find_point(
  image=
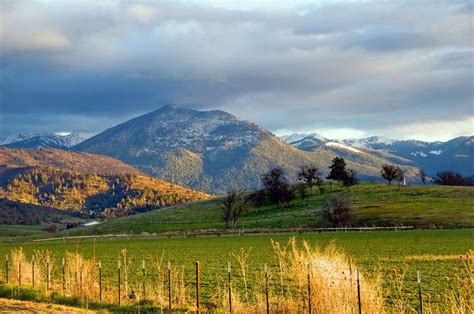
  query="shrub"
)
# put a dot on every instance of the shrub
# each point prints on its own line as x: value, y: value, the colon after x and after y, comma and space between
x: 452, y: 178
x: 339, y: 210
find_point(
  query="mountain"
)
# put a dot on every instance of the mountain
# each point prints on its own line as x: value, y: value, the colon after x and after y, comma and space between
x: 307, y: 142
x: 212, y: 150
x: 42, y: 140
x: 456, y: 154
x: 83, y: 182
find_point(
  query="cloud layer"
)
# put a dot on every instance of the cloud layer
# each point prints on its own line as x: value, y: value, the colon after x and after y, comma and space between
x: 377, y: 67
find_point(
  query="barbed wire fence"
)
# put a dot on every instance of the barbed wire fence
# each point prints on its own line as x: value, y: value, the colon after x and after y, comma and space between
x: 199, y: 287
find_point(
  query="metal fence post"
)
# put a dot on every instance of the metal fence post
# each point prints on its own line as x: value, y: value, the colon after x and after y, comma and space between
x: 266, y: 289
x: 198, y: 287
x: 420, y: 306
x: 169, y: 285
x: 118, y: 281
x: 230, y: 286
x: 47, y: 273
x: 358, y: 292
x: 33, y: 271
x: 100, y: 281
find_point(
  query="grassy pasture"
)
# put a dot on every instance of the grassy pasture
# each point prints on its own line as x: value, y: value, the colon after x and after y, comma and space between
x: 434, y: 252
x: 374, y: 204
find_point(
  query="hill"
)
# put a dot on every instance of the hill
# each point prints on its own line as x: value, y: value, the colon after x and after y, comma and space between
x: 16, y: 213
x: 214, y: 151
x: 83, y: 182
x: 95, y: 193
x: 61, y: 159
x: 374, y: 204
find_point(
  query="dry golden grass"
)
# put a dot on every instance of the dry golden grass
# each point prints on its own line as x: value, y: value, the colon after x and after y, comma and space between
x: 302, y: 276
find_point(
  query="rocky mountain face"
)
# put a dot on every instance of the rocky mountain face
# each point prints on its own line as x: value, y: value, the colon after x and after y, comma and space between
x: 41, y: 140
x: 213, y: 150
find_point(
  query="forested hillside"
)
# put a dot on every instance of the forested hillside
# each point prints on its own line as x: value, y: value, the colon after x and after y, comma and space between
x: 102, y: 194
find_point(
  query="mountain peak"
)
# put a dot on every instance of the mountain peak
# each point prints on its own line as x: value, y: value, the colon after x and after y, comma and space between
x: 168, y: 107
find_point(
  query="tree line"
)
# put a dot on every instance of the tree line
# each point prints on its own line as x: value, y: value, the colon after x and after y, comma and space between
x: 276, y: 188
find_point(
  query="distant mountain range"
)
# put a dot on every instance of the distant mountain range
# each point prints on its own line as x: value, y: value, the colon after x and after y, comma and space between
x: 215, y: 151
x: 455, y: 154
x: 42, y: 140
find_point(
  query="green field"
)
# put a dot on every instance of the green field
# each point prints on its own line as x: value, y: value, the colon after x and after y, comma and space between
x: 10, y: 232
x: 434, y: 252
x: 374, y: 204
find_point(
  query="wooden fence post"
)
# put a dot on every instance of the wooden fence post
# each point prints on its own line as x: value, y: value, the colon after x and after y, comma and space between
x: 81, y: 282
x: 33, y: 271
x: 6, y: 268
x: 63, y: 263
x: 47, y: 273
x: 144, y: 279
x: 169, y: 285
x: 266, y: 288
x: 310, y: 310
x: 100, y: 280
x: 118, y: 281
x: 358, y: 292
x: 420, y: 297
x: 230, y: 286
x: 19, y: 273
x: 198, y: 287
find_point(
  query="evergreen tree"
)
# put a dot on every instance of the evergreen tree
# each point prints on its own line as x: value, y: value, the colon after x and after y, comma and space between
x: 338, y: 169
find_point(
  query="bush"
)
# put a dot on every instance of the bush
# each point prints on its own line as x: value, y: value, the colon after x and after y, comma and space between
x: 339, y: 210
x: 452, y: 178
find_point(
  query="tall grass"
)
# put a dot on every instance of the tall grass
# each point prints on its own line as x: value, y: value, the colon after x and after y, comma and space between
x: 300, y: 276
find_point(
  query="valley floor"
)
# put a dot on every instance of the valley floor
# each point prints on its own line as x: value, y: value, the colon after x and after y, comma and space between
x: 440, y: 255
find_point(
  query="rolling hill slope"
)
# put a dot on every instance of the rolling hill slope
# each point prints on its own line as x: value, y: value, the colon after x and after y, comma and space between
x: 62, y: 159
x: 82, y: 182
x: 374, y: 204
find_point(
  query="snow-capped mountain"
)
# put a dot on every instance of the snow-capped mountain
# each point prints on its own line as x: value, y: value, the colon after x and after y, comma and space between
x: 215, y: 151
x: 306, y: 142
x: 42, y: 140
x: 370, y: 142
x: 456, y: 154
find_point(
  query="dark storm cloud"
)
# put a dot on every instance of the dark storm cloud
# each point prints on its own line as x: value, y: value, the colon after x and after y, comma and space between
x: 320, y: 66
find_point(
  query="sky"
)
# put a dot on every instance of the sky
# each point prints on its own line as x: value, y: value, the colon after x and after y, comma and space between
x: 344, y: 69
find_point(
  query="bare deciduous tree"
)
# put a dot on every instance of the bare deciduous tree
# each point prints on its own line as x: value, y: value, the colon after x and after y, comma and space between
x: 310, y: 175
x: 391, y: 172
x: 233, y: 206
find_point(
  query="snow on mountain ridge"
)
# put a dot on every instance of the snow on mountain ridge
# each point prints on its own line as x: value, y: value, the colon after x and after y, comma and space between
x: 367, y: 142
x: 343, y: 146
x: 42, y: 139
